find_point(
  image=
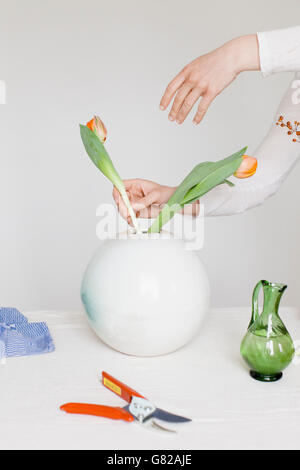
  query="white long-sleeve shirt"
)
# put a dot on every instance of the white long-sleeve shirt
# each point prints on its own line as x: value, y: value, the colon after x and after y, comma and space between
x: 279, y: 52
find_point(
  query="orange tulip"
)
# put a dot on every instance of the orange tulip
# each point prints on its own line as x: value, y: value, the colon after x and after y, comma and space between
x: 247, y: 168
x: 98, y: 127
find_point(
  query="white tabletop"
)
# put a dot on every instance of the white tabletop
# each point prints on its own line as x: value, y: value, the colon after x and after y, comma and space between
x: 206, y: 381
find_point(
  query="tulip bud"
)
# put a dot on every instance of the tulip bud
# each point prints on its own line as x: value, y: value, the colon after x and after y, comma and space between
x: 247, y: 168
x: 98, y: 127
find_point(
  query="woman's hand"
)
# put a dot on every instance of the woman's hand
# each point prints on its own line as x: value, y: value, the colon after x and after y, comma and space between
x: 147, y: 199
x: 208, y: 75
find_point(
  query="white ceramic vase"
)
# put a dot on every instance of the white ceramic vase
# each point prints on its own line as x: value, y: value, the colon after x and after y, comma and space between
x: 145, y: 295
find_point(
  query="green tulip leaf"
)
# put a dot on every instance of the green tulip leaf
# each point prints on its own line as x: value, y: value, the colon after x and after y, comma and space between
x: 202, y: 179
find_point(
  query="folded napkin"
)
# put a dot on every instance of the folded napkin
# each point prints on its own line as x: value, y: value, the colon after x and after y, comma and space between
x: 18, y: 337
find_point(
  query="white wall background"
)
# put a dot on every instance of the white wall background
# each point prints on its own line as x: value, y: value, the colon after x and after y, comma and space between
x: 65, y: 60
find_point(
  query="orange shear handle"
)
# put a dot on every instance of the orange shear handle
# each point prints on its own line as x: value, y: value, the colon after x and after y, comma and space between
x: 98, y: 410
x: 119, y: 388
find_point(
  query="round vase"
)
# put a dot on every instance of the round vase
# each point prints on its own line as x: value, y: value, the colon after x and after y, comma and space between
x: 145, y: 295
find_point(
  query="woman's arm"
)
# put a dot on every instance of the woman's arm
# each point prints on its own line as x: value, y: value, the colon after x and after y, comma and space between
x: 279, y: 51
x: 276, y: 156
x: 275, y: 51
x: 208, y: 75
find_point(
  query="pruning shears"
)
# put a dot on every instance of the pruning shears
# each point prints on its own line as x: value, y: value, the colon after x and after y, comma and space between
x: 139, y: 409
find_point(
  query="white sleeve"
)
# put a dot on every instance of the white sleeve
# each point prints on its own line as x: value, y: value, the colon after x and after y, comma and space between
x: 279, y: 50
x: 276, y: 156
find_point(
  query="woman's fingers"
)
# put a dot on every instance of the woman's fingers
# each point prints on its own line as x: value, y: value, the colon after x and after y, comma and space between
x: 142, y: 206
x: 148, y: 207
x: 146, y: 201
x: 203, y: 107
x: 171, y: 90
x: 187, y: 93
x: 146, y: 198
x: 179, y: 99
x: 150, y: 212
x: 188, y: 104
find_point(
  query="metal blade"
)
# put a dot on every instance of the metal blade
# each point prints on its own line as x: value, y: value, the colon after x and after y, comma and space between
x: 169, y: 417
x: 149, y: 422
x: 155, y: 413
x: 158, y: 427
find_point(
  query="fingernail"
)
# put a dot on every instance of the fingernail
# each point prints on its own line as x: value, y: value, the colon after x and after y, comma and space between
x: 195, y: 122
x: 161, y: 107
x: 171, y: 118
x: 178, y: 122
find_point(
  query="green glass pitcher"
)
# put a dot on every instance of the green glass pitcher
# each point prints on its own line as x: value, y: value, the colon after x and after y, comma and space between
x: 267, y: 347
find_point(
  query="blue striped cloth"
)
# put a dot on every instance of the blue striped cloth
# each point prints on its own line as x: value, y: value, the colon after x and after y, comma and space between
x: 18, y: 337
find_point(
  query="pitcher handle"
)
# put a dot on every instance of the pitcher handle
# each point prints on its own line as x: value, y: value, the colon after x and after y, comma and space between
x: 255, y: 306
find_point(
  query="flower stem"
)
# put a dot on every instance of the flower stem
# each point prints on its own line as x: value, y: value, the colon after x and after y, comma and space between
x: 130, y: 210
